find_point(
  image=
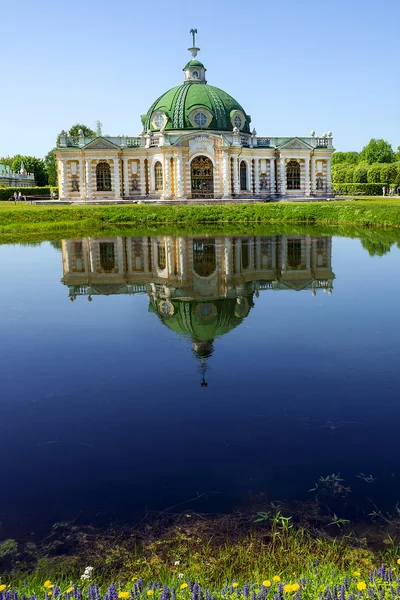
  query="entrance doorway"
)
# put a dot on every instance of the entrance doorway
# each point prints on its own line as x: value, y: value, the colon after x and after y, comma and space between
x: 202, y: 176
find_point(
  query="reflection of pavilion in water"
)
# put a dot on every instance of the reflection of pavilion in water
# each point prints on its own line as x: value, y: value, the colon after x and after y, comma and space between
x: 199, y: 287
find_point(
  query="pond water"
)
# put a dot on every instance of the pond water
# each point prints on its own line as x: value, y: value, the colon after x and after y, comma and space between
x: 199, y: 373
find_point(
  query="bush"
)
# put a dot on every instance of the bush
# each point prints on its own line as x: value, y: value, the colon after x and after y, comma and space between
x: 54, y: 189
x: 374, y: 173
x: 360, y: 173
x: 6, y: 193
x: 365, y: 189
x: 389, y: 173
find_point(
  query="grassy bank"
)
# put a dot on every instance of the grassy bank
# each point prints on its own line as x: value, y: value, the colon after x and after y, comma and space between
x: 230, y: 556
x: 49, y: 220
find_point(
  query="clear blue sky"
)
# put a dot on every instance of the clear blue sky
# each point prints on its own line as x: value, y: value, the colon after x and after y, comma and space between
x: 293, y: 65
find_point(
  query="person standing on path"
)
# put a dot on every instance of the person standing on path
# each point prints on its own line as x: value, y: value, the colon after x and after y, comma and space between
x: 384, y: 191
x: 398, y: 190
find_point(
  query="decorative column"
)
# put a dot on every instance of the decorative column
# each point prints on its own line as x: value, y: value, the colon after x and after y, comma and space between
x: 257, y: 242
x: 283, y: 252
x: 126, y: 176
x: 236, y: 188
x: 179, y: 175
x: 182, y: 261
x: 228, y: 257
x: 238, y: 255
x: 328, y: 177
x: 307, y: 176
x: 225, y: 174
x: 272, y: 175
x: 283, y: 179
x: 313, y: 175
x: 81, y: 178
x: 88, y: 178
x: 117, y: 181
x: 170, y: 256
x: 63, y: 182
x: 308, y: 252
x: 142, y: 177
x: 256, y: 176
x: 167, y: 179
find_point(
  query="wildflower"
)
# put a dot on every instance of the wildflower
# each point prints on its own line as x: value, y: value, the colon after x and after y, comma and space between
x: 50, y: 593
x: 184, y: 586
x: 123, y: 595
x: 276, y: 579
x: 295, y: 587
x: 2, y: 587
x: 361, y: 585
x: 267, y: 583
x: 287, y: 588
x: 69, y: 590
x: 134, y: 579
x: 150, y: 592
x: 180, y: 575
x: 398, y: 561
x: 177, y: 562
x: 235, y: 584
x: 356, y: 574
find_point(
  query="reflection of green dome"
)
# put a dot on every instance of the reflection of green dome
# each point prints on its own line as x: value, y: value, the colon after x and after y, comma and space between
x: 181, y: 100
x: 202, y: 321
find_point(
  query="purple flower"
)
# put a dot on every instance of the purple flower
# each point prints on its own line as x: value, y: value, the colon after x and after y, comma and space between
x: 165, y: 594
x: 246, y: 590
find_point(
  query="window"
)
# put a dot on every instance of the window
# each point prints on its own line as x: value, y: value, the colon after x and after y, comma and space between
x: 195, y: 74
x: 107, y: 256
x: 245, y: 254
x: 103, y: 177
x: 294, y: 254
x: 238, y: 121
x: 204, y: 258
x: 158, y: 176
x: 293, y: 175
x: 159, y: 120
x: 161, y: 255
x: 200, y: 119
x: 243, y: 176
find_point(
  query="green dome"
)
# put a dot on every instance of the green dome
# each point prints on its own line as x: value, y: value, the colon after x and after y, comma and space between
x: 180, y: 101
x: 193, y: 63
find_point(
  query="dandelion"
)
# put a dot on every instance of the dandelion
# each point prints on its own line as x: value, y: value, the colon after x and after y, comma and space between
x: 295, y: 587
x: 356, y: 574
x: 276, y: 579
x: 267, y: 583
x: 134, y: 579
x: 69, y: 590
x: 287, y: 588
x: 2, y: 587
x: 123, y: 595
x: 47, y: 584
x: 150, y: 592
x: 184, y: 586
x: 235, y: 584
x: 50, y: 593
x: 361, y: 585
x: 398, y: 561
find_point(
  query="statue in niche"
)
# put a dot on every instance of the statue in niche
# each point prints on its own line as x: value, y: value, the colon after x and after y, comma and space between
x: 135, y: 184
x: 74, y: 185
x: 263, y: 182
x: 320, y: 183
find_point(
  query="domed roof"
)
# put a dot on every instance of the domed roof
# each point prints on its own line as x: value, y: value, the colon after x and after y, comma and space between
x: 176, y: 108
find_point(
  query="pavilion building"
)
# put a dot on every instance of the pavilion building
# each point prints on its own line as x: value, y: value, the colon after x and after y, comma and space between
x: 196, y: 144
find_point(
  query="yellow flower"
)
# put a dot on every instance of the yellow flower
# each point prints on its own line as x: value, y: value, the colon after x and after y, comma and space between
x: 356, y: 574
x: 150, y: 592
x: 134, y: 579
x: 287, y: 588
x: 235, y: 584
x: 184, y: 586
x: 361, y: 585
x: 276, y: 579
x: 47, y: 584
x: 295, y: 587
x: 49, y: 593
x: 267, y: 583
x: 398, y: 561
x: 2, y: 587
x: 69, y: 590
x: 123, y: 595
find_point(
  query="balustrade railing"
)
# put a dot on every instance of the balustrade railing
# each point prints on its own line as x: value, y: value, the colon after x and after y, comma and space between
x: 266, y: 285
x: 244, y: 141
x: 264, y: 142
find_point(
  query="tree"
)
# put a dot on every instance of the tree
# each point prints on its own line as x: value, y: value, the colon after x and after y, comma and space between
x: 377, y: 151
x: 360, y: 174
x: 32, y: 165
x: 345, y: 157
x: 99, y: 128
x: 374, y: 173
x: 376, y: 247
x: 343, y: 173
x: 6, y: 160
x: 74, y: 132
x: 51, y: 167
x: 389, y: 174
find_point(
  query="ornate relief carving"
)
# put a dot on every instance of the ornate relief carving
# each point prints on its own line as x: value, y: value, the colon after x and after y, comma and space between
x: 201, y: 143
x: 295, y: 144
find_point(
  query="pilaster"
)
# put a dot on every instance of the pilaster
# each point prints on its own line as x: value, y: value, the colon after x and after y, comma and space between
x: 307, y: 176
x: 64, y: 189
x: 117, y: 181
x: 179, y: 175
x: 328, y: 177
x: 225, y: 174
x: 283, y: 176
x: 142, y: 176
x: 88, y: 178
x: 313, y: 175
x: 272, y: 183
x: 236, y: 186
x: 125, y: 167
x: 256, y: 176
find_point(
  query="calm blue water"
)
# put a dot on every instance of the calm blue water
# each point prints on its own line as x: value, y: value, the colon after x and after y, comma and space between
x: 139, y: 373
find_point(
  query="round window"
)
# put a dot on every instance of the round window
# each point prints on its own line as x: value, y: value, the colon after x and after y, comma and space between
x: 200, y: 119
x: 238, y: 121
x: 159, y: 120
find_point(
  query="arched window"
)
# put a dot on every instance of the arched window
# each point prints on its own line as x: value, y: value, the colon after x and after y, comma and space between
x: 103, y: 177
x: 107, y: 256
x: 293, y: 175
x: 158, y: 176
x: 204, y: 259
x: 243, y: 176
x: 294, y: 254
x: 161, y: 255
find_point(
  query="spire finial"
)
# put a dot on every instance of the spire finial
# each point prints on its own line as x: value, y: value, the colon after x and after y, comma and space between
x: 193, y: 49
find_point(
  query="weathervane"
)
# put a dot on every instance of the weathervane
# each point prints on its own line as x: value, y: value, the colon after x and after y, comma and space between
x: 193, y: 49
